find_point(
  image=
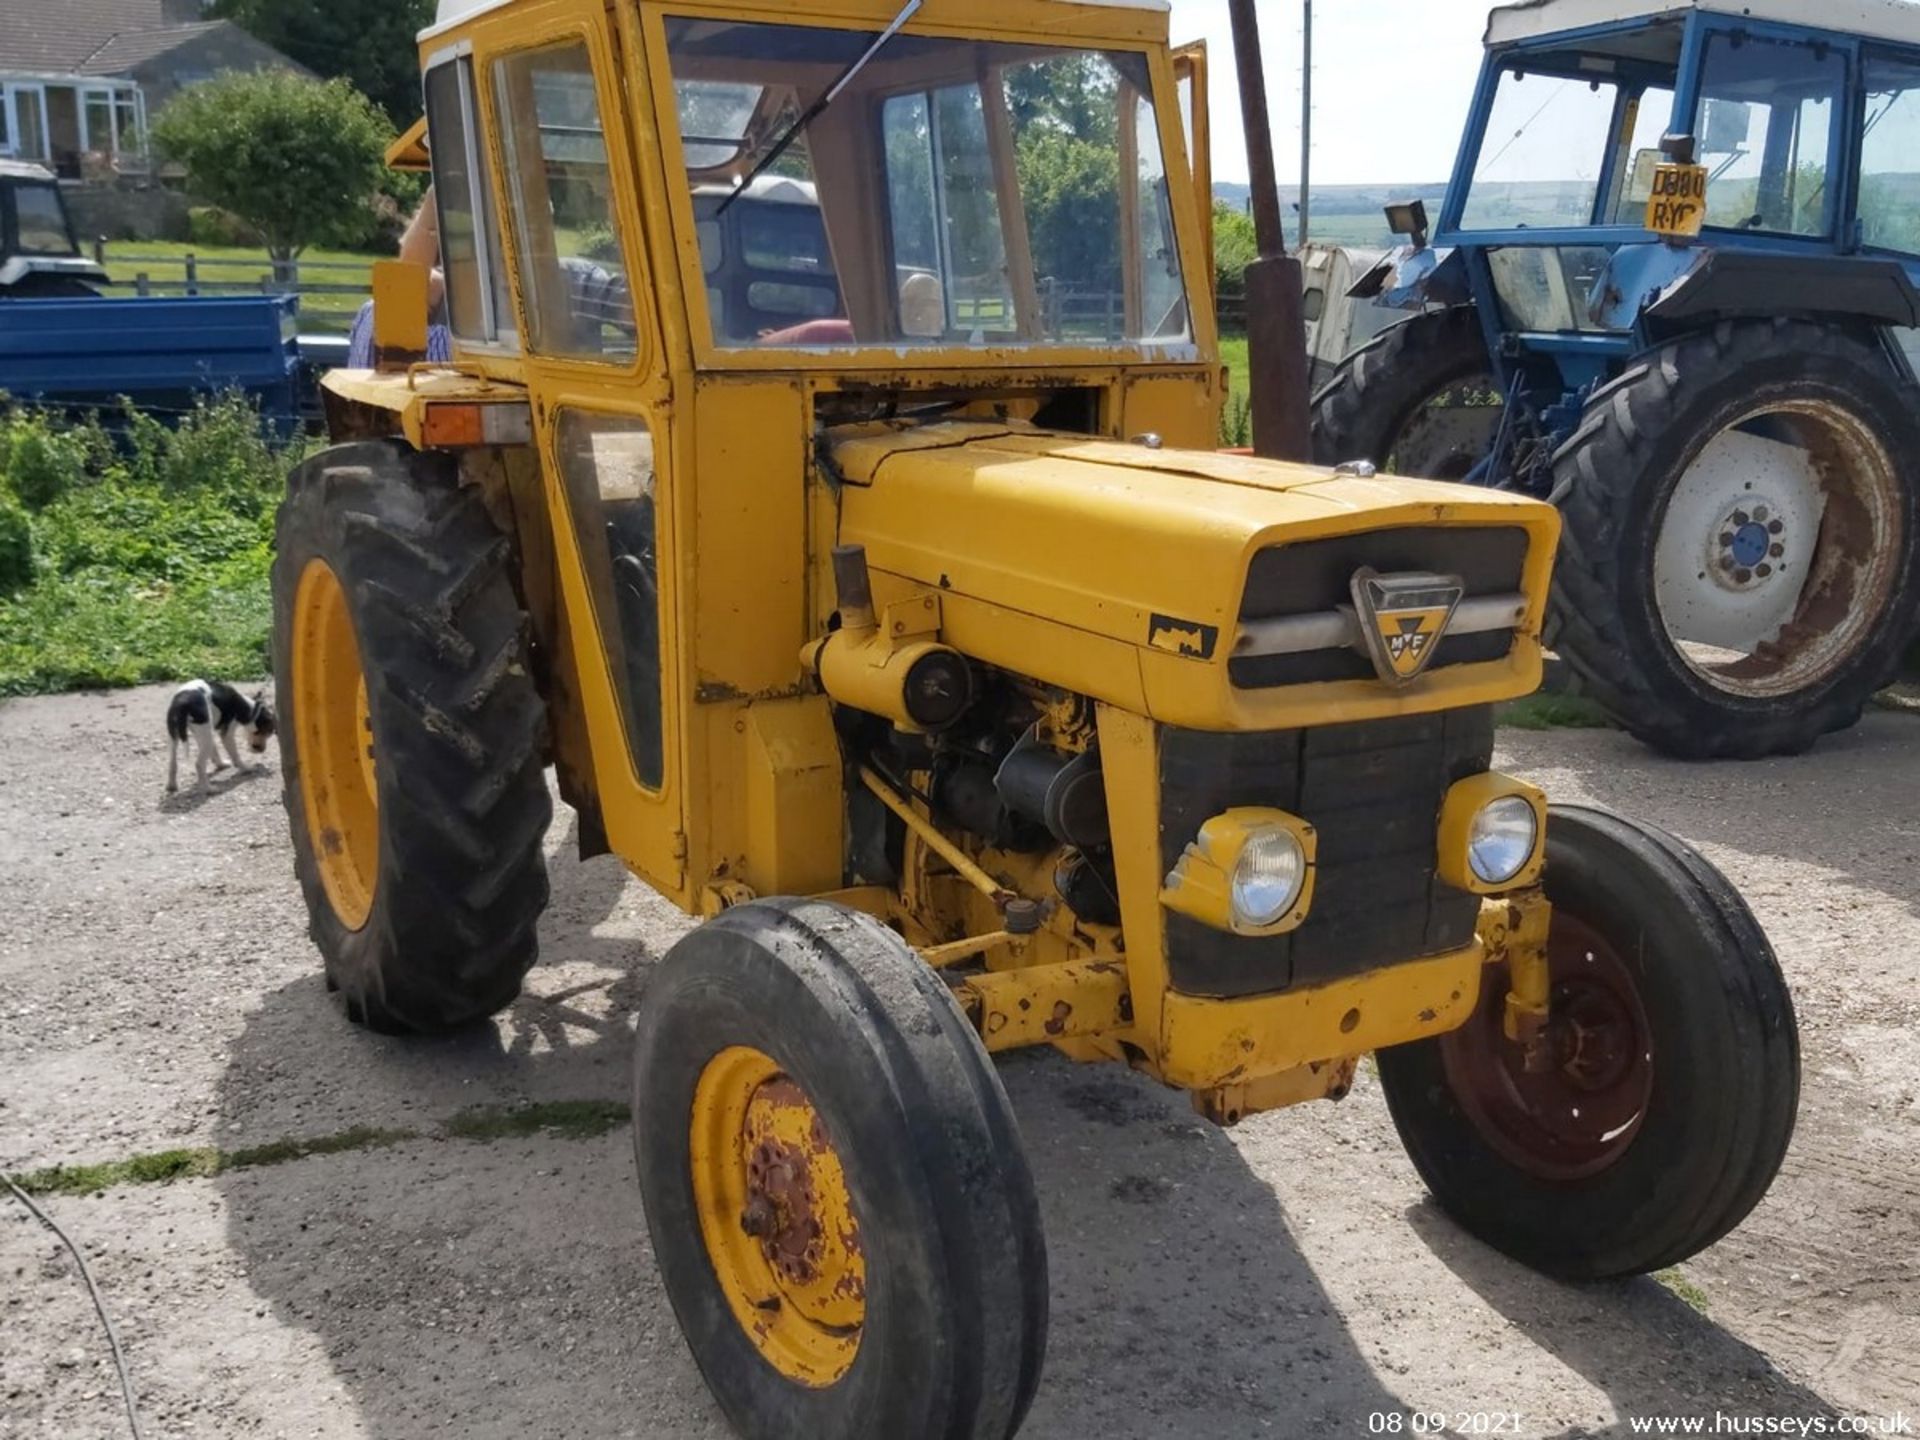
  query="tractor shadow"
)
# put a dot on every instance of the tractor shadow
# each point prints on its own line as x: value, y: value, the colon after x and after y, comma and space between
x: 507, y: 1288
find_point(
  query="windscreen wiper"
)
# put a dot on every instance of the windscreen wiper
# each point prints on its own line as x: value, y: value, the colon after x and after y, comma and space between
x: 812, y: 112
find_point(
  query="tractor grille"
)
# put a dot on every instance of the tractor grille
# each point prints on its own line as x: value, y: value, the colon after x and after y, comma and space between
x: 1312, y: 578
x: 1372, y: 792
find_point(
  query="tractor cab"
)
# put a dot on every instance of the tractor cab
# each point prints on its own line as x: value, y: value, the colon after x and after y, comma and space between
x: 40, y: 256
x: 1634, y: 179
x: 1632, y: 152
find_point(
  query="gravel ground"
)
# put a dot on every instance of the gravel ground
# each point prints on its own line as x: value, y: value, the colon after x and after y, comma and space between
x: 1287, y: 1277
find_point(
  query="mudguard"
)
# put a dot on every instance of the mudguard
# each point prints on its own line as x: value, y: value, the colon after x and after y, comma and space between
x: 1693, y: 285
x: 1413, y: 277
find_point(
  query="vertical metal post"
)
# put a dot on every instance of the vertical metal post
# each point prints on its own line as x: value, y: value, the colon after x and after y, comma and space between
x: 1276, y: 328
x: 1306, y: 119
x: 193, y: 275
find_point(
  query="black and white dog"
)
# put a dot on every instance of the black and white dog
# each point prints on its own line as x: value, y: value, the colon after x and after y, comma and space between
x: 202, y: 709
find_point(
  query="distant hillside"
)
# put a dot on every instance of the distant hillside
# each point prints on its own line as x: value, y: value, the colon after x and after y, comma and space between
x: 1344, y: 214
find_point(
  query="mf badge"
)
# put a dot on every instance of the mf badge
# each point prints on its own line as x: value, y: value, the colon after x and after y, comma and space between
x: 1403, y: 618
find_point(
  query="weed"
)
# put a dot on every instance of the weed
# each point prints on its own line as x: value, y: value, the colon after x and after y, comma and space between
x: 1682, y: 1287
x: 569, y: 1119
x: 1552, y: 712
x: 563, y: 1119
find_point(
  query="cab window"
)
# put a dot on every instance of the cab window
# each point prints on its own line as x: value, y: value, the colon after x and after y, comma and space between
x: 945, y: 191
x: 573, y: 274
x: 478, y: 307
x: 40, y: 224
x: 1890, y: 157
x: 607, y: 468
x: 1765, y: 127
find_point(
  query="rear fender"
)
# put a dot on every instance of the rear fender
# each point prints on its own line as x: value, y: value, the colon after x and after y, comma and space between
x: 1412, y: 277
x: 1666, y: 287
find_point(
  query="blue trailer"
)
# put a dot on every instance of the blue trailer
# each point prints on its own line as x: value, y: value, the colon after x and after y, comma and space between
x: 1672, y: 287
x: 160, y: 353
x: 63, y: 343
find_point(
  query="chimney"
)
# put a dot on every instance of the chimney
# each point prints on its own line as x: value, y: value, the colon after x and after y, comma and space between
x: 182, y: 12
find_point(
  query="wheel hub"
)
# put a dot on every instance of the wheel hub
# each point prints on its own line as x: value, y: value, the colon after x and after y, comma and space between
x: 333, y: 734
x: 1575, y: 1115
x: 777, y: 1217
x: 1776, y: 548
x: 1748, y: 548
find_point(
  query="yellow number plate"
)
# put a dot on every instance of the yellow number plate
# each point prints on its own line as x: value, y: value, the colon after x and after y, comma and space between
x: 1678, y: 205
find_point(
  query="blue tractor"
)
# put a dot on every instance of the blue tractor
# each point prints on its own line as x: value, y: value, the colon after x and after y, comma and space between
x: 1672, y: 288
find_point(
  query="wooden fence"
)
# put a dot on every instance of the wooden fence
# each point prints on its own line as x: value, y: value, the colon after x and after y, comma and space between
x: 190, y: 274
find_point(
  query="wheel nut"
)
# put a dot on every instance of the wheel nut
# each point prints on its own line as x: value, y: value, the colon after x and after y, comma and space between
x: 757, y: 1219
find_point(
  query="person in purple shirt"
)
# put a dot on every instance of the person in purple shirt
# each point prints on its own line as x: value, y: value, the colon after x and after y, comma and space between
x: 419, y: 245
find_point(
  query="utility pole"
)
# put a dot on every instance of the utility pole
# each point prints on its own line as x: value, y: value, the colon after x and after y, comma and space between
x: 1276, y: 325
x: 1306, y: 118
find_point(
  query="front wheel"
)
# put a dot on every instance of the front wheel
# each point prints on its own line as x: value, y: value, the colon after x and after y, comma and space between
x: 1672, y: 1079
x: 1740, y: 565
x: 838, y: 1201
x: 1419, y: 399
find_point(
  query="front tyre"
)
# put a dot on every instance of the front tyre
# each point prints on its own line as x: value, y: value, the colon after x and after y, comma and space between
x: 1419, y: 399
x: 411, y: 735
x: 1674, y: 1070
x: 834, y: 1186
x: 1740, y: 564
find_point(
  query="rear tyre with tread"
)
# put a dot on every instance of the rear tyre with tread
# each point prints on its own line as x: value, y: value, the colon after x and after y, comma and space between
x: 1373, y: 407
x: 426, y: 919
x: 1702, y: 1041
x: 922, y: 1309
x: 1626, y: 476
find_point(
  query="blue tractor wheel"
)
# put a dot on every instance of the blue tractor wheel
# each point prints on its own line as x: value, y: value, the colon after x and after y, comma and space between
x: 1420, y: 399
x: 1740, y: 566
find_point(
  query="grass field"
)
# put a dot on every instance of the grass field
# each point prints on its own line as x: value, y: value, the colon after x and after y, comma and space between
x: 163, y: 262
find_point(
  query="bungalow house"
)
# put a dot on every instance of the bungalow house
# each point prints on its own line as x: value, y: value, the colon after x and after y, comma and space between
x: 78, y: 78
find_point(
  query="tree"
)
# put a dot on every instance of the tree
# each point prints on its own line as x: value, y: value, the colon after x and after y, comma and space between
x: 368, y: 42
x: 299, y: 160
x: 1234, y: 246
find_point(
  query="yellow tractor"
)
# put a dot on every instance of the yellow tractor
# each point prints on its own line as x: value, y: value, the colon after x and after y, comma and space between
x: 823, y: 486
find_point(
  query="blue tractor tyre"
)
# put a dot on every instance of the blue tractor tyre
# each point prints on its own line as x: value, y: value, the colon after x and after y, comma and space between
x: 1739, y: 566
x: 1419, y: 398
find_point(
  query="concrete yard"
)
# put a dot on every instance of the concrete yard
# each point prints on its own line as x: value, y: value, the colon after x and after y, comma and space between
x: 1288, y: 1277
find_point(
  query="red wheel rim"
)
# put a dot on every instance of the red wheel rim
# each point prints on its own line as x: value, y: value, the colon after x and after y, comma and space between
x: 1576, y: 1113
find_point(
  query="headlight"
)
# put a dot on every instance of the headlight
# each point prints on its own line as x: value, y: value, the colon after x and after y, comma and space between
x: 1501, y: 839
x: 1249, y: 872
x: 1266, y: 878
x: 1490, y: 834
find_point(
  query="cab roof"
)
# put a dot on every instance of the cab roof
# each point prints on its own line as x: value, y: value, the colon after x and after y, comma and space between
x: 1895, y: 20
x: 452, y: 12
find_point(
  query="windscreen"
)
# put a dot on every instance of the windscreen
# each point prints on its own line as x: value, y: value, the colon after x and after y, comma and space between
x: 953, y: 192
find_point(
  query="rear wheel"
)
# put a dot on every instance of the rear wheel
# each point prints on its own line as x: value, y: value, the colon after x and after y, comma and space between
x: 1740, y: 567
x: 412, y: 738
x: 1671, y: 1068
x: 835, y: 1189
x: 1420, y: 399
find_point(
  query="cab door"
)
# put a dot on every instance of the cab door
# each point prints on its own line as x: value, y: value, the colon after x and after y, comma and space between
x: 593, y: 363
x: 1190, y: 80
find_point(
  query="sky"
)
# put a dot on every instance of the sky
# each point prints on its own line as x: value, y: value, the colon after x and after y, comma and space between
x: 1391, y: 84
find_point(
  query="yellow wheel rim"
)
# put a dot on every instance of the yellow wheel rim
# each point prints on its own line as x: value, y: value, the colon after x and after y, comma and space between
x: 334, y: 736
x: 777, y: 1218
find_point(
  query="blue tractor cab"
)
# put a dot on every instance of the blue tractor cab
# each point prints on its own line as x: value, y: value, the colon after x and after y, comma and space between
x: 1672, y: 287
